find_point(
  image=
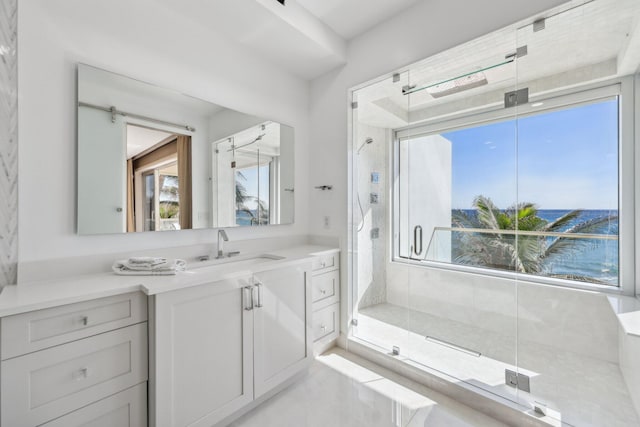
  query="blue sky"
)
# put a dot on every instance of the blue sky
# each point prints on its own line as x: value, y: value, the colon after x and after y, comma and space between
x: 566, y: 159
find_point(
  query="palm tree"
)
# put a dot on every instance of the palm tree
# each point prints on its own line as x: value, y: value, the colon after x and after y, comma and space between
x: 242, y: 197
x: 521, y: 253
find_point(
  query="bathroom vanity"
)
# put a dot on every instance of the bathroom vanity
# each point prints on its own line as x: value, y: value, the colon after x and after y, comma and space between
x: 199, y: 348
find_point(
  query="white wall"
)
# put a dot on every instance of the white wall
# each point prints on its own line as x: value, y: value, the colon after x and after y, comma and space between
x: 372, y: 254
x: 521, y: 312
x: 427, y: 28
x: 629, y: 347
x: 143, y: 40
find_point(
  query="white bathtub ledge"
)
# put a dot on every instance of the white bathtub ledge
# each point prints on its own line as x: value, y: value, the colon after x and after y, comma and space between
x: 627, y: 309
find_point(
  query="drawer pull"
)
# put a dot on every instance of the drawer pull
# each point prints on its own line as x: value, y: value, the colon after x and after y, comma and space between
x: 323, y: 264
x: 84, y: 320
x: 248, y: 290
x: 81, y: 374
x: 323, y: 328
x: 323, y: 292
x: 259, y: 288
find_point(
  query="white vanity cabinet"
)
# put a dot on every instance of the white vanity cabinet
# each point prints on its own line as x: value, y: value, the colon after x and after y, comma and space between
x: 326, y: 300
x: 219, y: 346
x: 281, y: 326
x: 78, y: 364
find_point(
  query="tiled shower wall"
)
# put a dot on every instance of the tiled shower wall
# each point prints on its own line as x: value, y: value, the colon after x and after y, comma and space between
x: 8, y: 141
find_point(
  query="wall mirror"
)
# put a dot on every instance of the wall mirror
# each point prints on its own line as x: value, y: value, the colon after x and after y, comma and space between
x: 153, y: 159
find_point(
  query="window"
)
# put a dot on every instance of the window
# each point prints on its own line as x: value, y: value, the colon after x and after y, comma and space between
x: 252, y: 194
x: 161, y: 198
x: 548, y: 181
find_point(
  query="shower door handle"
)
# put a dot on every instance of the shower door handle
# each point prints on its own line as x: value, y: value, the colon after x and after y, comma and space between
x: 417, y: 240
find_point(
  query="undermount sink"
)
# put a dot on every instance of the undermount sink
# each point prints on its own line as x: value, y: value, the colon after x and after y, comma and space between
x: 244, y: 260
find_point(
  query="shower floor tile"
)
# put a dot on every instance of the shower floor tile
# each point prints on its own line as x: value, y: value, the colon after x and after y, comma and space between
x: 583, y: 390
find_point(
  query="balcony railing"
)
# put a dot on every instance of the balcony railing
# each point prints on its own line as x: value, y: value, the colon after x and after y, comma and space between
x: 582, y: 257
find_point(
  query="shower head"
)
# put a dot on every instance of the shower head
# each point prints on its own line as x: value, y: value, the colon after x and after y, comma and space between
x: 366, y: 142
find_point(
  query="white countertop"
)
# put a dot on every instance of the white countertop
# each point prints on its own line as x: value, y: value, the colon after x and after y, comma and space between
x: 25, y: 297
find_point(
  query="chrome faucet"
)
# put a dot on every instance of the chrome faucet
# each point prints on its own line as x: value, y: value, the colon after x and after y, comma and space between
x: 222, y: 236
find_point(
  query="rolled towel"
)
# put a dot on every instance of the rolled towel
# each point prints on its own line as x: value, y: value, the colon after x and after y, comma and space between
x: 126, y: 268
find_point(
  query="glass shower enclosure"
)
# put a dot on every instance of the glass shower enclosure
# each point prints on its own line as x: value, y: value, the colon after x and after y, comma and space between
x: 488, y: 212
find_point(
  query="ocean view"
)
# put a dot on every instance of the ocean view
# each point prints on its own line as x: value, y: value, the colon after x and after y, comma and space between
x: 590, y: 258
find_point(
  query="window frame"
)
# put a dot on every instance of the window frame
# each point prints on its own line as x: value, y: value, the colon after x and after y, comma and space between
x: 624, y: 89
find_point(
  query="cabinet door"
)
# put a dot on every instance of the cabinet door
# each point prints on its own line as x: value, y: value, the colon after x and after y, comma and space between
x: 282, y: 327
x: 125, y: 409
x: 203, y: 366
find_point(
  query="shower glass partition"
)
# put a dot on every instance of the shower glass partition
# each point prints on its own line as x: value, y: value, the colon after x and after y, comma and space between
x: 378, y: 109
x: 422, y: 169
x: 492, y: 211
x: 458, y: 157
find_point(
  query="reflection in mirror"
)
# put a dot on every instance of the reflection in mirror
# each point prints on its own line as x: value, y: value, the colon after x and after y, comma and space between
x: 158, y: 180
x: 151, y: 159
x: 252, y: 188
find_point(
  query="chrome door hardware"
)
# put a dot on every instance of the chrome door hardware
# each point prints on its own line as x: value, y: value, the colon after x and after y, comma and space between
x: 259, y: 288
x: 248, y: 297
x: 395, y: 350
x: 516, y: 97
x: 417, y: 240
x: 517, y: 380
x: 539, y: 408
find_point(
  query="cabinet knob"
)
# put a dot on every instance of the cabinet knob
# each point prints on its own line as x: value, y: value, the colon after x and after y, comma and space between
x: 81, y: 374
x: 323, y: 292
x: 84, y: 320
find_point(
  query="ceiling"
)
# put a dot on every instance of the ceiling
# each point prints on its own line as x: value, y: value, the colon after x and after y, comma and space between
x: 594, y: 41
x: 140, y: 139
x: 351, y: 18
x: 306, y: 37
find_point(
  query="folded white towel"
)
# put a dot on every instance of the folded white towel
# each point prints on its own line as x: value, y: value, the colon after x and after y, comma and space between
x: 127, y: 268
x: 147, y: 260
x: 149, y: 267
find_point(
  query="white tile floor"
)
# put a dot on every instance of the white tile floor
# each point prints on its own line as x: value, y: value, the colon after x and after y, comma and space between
x: 582, y: 391
x: 342, y: 389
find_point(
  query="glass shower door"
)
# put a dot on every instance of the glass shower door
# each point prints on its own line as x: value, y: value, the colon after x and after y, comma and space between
x: 574, y: 156
x: 379, y: 288
x: 457, y: 171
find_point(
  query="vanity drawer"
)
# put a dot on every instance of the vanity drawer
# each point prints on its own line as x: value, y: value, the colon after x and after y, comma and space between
x: 47, y: 384
x: 125, y: 409
x: 36, y: 330
x: 325, y: 289
x: 326, y: 262
x: 325, y: 322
